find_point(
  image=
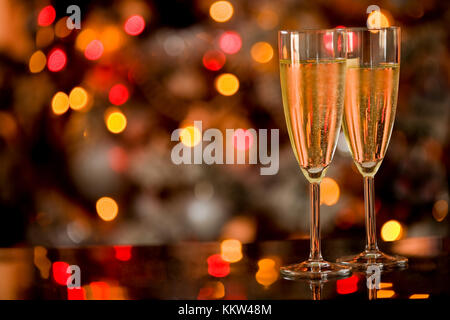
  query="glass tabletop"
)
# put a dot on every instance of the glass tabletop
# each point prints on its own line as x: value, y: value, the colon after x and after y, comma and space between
x: 215, y: 271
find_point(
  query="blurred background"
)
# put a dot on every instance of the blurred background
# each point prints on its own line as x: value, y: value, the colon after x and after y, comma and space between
x: 86, y: 118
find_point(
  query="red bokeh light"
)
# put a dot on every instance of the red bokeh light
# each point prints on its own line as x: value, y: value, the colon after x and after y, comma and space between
x: 134, y: 25
x: 118, y: 94
x: 56, y: 60
x: 242, y: 139
x: 347, y: 285
x: 76, y: 294
x: 217, y: 267
x: 230, y: 42
x: 46, y: 16
x: 123, y: 253
x: 94, y: 50
x: 59, y: 270
x: 213, y: 60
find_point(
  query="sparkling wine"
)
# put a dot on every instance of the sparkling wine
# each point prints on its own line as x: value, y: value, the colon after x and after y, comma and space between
x: 369, y: 113
x: 313, y: 99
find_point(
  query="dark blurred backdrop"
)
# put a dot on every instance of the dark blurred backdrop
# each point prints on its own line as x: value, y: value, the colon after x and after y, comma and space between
x: 92, y: 165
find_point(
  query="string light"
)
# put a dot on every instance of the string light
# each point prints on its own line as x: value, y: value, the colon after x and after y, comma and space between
x: 37, y: 62
x: 227, y: 84
x: 107, y: 208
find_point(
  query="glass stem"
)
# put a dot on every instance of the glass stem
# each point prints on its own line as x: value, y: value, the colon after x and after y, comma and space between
x: 314, y: 194
x: 369, y: 207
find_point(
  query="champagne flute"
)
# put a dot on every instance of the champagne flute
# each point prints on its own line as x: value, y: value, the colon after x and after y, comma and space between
x: 373, y: 67
x: 312, y: 73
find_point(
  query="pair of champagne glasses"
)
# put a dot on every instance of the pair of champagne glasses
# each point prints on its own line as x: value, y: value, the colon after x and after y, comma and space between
x: 335, y: 76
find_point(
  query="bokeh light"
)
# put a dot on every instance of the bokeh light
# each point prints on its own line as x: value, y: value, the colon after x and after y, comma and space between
x: 329, y: 191
x: 123, y: 253
x: 440, y: 210
x: 262, y: 52
x: 59, y: 272
x: 37, y: 62
x: 46, y: 16
x: 419, y: 296
x: 211, y: 290
x: 134, y: 25
x: 230, y: 42
x: 112, y: 38
x: 84, y: 38
x: 213, y: 60
x: 107, y: 208
x: 231, y: 250
x: 267, y: 18
x: 347, y: 285
x: 190, y: 136
x: 78, y: 98
x: 99, y: 290
x: 217, y: 267
x: 76, y: 293
x: 56, y: 60
x: 116, y: 122
x: 267, y: 272
x: 227, y: 84
x: 385, y: 294
x: 60, y: 103
x: 377, y: 19
x: 94, y: 50
x: 118, y: 94
x: 221, y: 11
x: 391, y: 230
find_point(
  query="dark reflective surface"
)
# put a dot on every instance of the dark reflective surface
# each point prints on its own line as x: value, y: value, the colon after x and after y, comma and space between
x: 196, y: 271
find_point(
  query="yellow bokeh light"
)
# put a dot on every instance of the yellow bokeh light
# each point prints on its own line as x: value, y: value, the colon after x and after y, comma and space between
x: 221, y: 11
x: 440, y: 210
x: 419, y: 296
x: 115, y: 120
x: 37, y: 62
x: 60, y: 103
x: 377, y: 19
x: 190, y: 136
x: 391, y: 230
x: 267, y: 19
x: 385, y: 294
x: 112, y: 38
x: 329, y: 191
x: 262, y: 52
x: 231, y: 250
x: 227, y: 84
x: 78, y: 98
x: 107, y: 208
x: 267, y: 272
x: 84, y: 38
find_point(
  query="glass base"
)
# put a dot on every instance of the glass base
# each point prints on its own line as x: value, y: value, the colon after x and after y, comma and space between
x: 311, y: 269
x: 376, y: 257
